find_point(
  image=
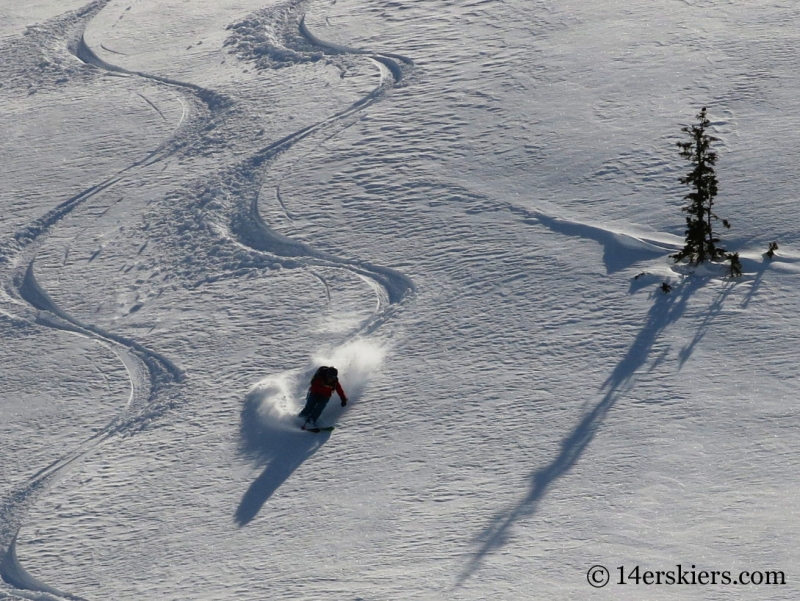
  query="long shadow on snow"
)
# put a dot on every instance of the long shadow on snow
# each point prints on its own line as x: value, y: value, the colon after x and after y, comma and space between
x: 282, y: 449
x: 619, y: 251
x: 760, y: 269
x: 666, y: 309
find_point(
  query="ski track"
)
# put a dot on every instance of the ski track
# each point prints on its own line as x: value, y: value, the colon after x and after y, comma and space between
x: 386, y: 58
x: 150, y: 373
x: 143, y: 404
x: 249, y: 228
x: 141, y: 408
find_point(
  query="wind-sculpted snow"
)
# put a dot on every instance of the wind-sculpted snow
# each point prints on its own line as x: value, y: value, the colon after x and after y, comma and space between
x: 251, y: 230
x: 70, y: 27
x: 150, y: 372
x: 54, y: 69
x: 213, y: 100
x: 269, y: 428
x: 666, y: 310
x: 144, y: 405
x: 161, y: 369
x: 54, y: 66
x: 271, y: 38
x: 13, y: 573
x: 477, y: 240
x: 278, y: 37
x: 28, y: 288
x: 383, y: 57
x: 247, y: 224
x: 40, y: 226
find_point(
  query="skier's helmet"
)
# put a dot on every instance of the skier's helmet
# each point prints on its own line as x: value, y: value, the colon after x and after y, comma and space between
x: 333, y: 374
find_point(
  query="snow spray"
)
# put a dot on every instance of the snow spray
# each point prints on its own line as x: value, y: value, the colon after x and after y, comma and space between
x: 276, y: 400
x: 357, y: 361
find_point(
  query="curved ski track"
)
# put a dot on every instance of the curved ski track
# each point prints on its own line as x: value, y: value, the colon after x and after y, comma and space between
x: 248, y: 227
x: 386, y: 58
x: 151, y: 373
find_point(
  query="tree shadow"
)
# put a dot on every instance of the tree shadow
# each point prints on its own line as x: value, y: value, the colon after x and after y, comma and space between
x: 278, y: 444
x: 760, y: 269
x: 715, y: 309
x: 666, y: 309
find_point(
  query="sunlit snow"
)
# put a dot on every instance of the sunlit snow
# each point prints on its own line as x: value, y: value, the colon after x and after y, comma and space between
x: 466, y: 207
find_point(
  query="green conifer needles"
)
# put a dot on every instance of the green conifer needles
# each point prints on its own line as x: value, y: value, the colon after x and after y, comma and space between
x: 701, y: 242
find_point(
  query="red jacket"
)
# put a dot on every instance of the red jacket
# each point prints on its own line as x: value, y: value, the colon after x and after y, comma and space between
x: 320, y: 388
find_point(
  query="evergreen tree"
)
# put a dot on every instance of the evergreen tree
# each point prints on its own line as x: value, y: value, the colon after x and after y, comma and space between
x: 701, y: 243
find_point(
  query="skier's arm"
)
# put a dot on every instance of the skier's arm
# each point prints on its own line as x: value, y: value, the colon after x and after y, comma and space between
x: 341, y: 394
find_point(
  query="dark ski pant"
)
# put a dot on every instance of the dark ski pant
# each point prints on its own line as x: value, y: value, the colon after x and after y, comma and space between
x: 315, y: 403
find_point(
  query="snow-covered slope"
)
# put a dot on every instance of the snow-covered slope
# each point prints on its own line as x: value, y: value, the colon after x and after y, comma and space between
x: 468, y: 208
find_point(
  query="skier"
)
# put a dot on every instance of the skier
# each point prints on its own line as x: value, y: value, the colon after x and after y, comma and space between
x: 324, y: 382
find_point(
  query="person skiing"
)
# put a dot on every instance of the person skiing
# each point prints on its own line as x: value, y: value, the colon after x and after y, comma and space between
x: 324, y: 382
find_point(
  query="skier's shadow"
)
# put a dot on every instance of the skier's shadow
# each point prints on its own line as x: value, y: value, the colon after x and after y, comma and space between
x: 666, y: 309
x: 282, y: 449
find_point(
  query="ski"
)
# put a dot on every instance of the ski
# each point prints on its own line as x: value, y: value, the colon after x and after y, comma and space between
x: 316, y: 430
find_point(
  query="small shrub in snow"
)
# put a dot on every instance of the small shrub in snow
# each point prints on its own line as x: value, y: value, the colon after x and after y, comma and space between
x: 736, y: 265
x: 773, y: 246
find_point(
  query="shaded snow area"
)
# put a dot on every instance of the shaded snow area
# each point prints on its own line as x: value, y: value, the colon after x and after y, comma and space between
x: 466, y: 207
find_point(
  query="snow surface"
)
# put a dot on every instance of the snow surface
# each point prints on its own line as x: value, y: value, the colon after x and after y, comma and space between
x: 467, y: 207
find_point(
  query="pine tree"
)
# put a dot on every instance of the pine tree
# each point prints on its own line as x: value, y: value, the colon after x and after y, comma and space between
x: 701, y: 243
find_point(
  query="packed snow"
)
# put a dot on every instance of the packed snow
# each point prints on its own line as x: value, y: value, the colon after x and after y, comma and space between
x: 468, y: 208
